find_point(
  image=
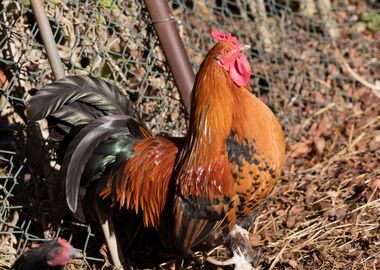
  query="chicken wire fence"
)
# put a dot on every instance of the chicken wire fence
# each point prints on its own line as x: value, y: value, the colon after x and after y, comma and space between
x: 295, y: 71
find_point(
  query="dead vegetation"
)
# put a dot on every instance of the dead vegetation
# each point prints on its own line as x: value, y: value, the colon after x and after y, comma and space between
x: 324, y: 214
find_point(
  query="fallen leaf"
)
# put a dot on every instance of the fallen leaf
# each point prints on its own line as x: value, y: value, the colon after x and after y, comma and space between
x: 293, y: 264
x: 291, y: 222
x: 325, y: 253
x: 375, y: 143
x: 310, y: 193
x: 267, y: 236
x: 319, y: 143
x: 3, y: 80
x: 296, y: 210
x: 374, y: 183
x: 337, y: 213
x: 254, y: 240
x: 319, y: 97
x: 299, y: 149
x: 293, y: 215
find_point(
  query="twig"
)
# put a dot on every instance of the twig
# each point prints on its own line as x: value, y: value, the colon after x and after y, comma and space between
x: 201, y: 6
x: 48, y: 39
x: 278, y: 257
x: 10, y: 51
x: 375, y: 88
x: 327, y: 19
x: 325, y: 109
x: 364, y: 207
x: 259, y: 12
x: 308, y: 8
x: 242, y: 10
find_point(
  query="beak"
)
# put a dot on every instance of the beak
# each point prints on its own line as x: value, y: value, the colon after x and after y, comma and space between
x: 245, y: 47
x: 76, y: 254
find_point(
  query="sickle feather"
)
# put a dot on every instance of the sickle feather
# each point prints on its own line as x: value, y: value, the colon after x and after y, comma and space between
x: 82, y: 147
x: 56, y: 99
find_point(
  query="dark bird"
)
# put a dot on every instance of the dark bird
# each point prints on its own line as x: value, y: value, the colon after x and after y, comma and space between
x: 192, y: 189
x: 52, y: 255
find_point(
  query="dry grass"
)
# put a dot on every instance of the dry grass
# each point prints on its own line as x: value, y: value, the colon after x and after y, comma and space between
x: 326, y: 215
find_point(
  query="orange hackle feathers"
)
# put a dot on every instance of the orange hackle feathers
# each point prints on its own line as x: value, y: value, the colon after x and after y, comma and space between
x: 233, y: 156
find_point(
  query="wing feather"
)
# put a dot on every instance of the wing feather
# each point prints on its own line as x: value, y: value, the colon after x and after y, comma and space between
x: 142, y: 180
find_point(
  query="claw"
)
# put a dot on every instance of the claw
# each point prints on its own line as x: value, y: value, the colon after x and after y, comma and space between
x: 238, y: 243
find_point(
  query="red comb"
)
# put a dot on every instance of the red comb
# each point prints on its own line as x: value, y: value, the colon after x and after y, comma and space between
x: 63, y: 242
x: 220, y: 36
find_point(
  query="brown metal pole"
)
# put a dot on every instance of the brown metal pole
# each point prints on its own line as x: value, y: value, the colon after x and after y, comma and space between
x: 173, y: 48
x: 48, y: 38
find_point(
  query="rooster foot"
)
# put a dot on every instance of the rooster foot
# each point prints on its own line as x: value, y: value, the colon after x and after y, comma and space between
x: 239, y: 245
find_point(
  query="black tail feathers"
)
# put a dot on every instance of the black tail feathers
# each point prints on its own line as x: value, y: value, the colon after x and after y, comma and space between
x: 86, y: 114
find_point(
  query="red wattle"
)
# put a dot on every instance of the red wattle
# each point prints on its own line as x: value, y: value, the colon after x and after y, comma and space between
x: 240, y: 71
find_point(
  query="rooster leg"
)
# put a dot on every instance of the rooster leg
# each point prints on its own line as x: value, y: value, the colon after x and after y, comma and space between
x: 110, y: 236
x: 239, y: 245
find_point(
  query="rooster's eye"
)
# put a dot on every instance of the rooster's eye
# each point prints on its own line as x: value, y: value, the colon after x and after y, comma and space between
x: 226, y: 51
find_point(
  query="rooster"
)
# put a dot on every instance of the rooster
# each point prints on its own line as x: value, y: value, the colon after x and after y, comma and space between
x: 52, y: 255
x: 192, y: 189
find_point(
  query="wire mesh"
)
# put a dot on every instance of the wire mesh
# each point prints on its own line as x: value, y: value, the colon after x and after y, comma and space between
x: 292, y: 58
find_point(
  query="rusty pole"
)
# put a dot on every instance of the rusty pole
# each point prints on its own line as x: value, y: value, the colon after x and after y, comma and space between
x: 48, y: 38
x: 173, y: 48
